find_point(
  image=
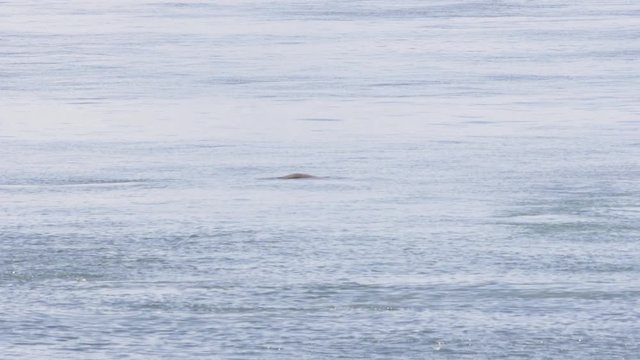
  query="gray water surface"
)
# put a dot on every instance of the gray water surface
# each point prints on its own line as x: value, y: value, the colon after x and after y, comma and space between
x: 479, y: 194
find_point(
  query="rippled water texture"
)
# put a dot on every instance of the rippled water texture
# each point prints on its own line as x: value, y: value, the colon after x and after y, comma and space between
x: 478, y: 198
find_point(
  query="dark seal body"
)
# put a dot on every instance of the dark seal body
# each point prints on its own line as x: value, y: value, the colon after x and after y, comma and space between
x: 296, y: 176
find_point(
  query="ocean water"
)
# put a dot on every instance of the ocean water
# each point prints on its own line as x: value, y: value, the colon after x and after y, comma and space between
x: 479, y: 194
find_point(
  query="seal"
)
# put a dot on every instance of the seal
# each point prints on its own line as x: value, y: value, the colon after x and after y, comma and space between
x: 297, y: 176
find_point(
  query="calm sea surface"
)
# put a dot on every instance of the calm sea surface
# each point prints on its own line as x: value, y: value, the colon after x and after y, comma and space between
x: 480, y: 196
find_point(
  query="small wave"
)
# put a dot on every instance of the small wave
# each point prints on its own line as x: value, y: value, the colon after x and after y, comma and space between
x: 321, y: 119
x: 74, y: 182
